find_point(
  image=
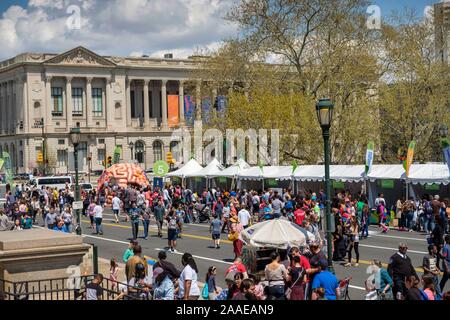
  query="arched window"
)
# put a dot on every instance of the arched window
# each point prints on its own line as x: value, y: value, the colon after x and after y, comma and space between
x: 157, y: 150
x: 139, y: 152
x: 175, y: 150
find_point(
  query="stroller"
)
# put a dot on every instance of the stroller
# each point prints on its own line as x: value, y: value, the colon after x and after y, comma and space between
x: 201, y: 213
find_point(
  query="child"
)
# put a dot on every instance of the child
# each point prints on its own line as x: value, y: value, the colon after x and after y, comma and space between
x: 259, y: 289
x: 211, y: 281
x: 319, y: 294
x: 383, y: 218
x: 113, y: 273
x: 17, y: 226
x: 27, y: 222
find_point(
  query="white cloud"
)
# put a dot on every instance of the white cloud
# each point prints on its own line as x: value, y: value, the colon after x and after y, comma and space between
x: 116, y: 27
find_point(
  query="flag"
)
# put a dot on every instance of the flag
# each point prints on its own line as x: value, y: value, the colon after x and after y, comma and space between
x: 206, y: 110
x: 369, y: 156
x: 117, y: 153
x: 294, y: 165
x: 189, y: 110
x: 1, y: 163
x: 409, y: 157
x: 446, y: 149
x: 8, y: 167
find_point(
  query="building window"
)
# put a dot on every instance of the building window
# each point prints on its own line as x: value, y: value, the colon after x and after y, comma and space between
x: 77, y: 102
x: 61, y: 141
x: 139, y: 152
x: 57, y: 101
x: 20, y: 159
x: 62, y: 158
x: 121, y: 151
x: 157, y: 151
x: 133, y: 105
x: 101, y: 141
x: 101, y: 155
x: 97, y: 102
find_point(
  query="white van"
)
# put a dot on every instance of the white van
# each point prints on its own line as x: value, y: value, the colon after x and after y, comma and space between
x: 52, y: 182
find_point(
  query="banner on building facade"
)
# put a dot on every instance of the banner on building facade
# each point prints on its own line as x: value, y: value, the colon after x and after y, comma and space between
x: 117, y: 153
x: 446, y: 149
x: 189, y: 110
x: 8, y: 169
x: 221, y: 104
x: 173, y: 110
x: 409, y: 157
x: 206, y: 110
x: 369, y: 156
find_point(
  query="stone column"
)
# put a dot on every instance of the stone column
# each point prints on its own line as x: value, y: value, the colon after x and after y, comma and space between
x: 164, y: 103
x: 25, y: 108
x: 128, y: 102
x: 69, y: 107
x: 48, y: 107
x: 11, y: 107
x: 146, y: 104
x: 89, y: 110
x: 2, y: 106
x: 109, y: 107
x: 198, y: 101
x: 181, y: 101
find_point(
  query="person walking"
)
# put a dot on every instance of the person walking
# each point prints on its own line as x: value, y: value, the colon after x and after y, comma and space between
x: 159, y: 212
x: 276, y: 274
x: 384, y: 288
x: 211, y: 282
x: 188, y: 286
x: 326, y: 280
x: 135, y: 218
x: 130, y: 267
x: 214, y: 229
x: 400, y: 268
x: 116, y: 207
x: 353, y: 242
x: 430, y: 266
x: 173, y: 225
x: 98, y: 217
x: 445, y: 263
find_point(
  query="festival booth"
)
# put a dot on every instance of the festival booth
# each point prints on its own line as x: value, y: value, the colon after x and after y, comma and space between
x: 261, y: 239
x: 431, y: 179
x: 122, y: 175
x: 210, y: 171
x: 190, y: 168
x: 343, y: 177
x: 227, y: 178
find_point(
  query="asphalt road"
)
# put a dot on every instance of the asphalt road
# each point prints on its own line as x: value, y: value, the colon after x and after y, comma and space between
x: 197, y: 241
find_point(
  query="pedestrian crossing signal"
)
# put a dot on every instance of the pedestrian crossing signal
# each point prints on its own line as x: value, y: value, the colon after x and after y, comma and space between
x: 170, y: 158
x: 40, y: 157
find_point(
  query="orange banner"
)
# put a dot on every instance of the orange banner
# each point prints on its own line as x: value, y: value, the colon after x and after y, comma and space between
x: 173, y: 110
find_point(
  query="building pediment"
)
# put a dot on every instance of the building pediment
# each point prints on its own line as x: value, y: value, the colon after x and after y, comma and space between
x: 80, y: 56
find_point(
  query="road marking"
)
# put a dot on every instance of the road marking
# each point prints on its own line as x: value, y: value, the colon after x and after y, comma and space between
x: 105, y: 239
x: 385, y: 265
x: 186, y: 235
x: 392, y: 249
x: 376, y: 234
x: 198, y: 257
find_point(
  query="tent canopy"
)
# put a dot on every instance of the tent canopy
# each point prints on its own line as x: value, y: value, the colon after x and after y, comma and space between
x: 428, y: 174
x: 234, y: 170
x: 352, y: 173
x: 386, y: 171
x: 277, y: 233
x: 278, y: 172
x: 189, y: 168
x: 211, y: 170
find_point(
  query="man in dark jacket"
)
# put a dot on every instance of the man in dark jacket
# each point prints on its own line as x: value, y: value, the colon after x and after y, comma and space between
x: 399, y: 268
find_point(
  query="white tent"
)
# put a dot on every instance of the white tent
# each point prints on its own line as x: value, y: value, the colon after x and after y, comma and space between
x: 386, y: 171
x: 187, y: 170
x: 278, y: 172
x: 277, y: 233
x: 234, y: 170
x: 352, y: 173
x: 253, y: 173
x: 430, y: 173
x: 211, y: 170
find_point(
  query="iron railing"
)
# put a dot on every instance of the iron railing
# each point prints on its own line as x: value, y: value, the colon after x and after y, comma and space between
x: 73, y: 288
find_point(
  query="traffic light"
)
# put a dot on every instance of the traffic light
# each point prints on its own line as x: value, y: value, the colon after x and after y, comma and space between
x: 40, y: 157
x: 169, y: 157
x: 109, y: 161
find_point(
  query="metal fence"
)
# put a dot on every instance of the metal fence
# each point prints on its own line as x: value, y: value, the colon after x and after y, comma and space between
x: 73, y: 288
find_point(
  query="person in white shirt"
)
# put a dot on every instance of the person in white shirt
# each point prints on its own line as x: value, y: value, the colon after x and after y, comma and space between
x: 188, y: 285
x: 244, y: 217
x: 116, y: 207
x: 98, y: 217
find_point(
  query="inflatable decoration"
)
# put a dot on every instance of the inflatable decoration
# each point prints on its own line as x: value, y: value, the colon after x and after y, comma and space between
x: 123, y: 174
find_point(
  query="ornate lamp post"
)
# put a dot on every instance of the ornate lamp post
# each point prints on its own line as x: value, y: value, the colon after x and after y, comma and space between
x: 324, y: 110
x: 75, y: 137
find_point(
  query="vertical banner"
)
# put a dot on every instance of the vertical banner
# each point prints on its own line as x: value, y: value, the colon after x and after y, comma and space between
x: 117, y: 153
x: 369, y: 156
x: 173, y: 110
x: 8, y: 169
x: 221, y: 104
x: 409, y: 157
x: 189, y: 110
x: 446, y: 149
x: 206, y: 109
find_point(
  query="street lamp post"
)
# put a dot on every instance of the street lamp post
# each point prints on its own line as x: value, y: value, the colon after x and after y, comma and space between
x: 131, y: 145
x: 75, y: 137
x: 324, y: 110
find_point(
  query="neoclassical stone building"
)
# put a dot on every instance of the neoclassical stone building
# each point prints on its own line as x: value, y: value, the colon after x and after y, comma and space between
x: 114, y: 100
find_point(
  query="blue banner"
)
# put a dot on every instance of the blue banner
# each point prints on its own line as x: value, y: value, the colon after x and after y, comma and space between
x: 158, y: 182
x: 206, y: 110
x: 221, y: 104
x: 189, y: 110
x: 447, y: 156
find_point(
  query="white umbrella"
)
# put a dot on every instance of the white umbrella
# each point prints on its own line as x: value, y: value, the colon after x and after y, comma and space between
x: 277, y: 233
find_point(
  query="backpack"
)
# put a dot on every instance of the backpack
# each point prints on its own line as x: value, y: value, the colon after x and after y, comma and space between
x: 255, y: 201
x: 423, y: 294
x: 172, y: 223
x: 205, y: 291
x: 428, y: 208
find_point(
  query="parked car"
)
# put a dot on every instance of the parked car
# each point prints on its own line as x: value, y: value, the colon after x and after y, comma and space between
x: 88, y: 187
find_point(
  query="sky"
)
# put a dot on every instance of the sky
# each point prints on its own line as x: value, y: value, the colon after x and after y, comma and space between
x: 127, y: 27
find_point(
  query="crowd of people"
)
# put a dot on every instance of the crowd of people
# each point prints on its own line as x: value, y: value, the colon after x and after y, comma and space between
x: 302, y: 273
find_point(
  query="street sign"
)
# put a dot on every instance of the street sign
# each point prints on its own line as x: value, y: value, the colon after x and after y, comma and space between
x: 77, y: 205
x: 158, y: 182
x: 160, y: 168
